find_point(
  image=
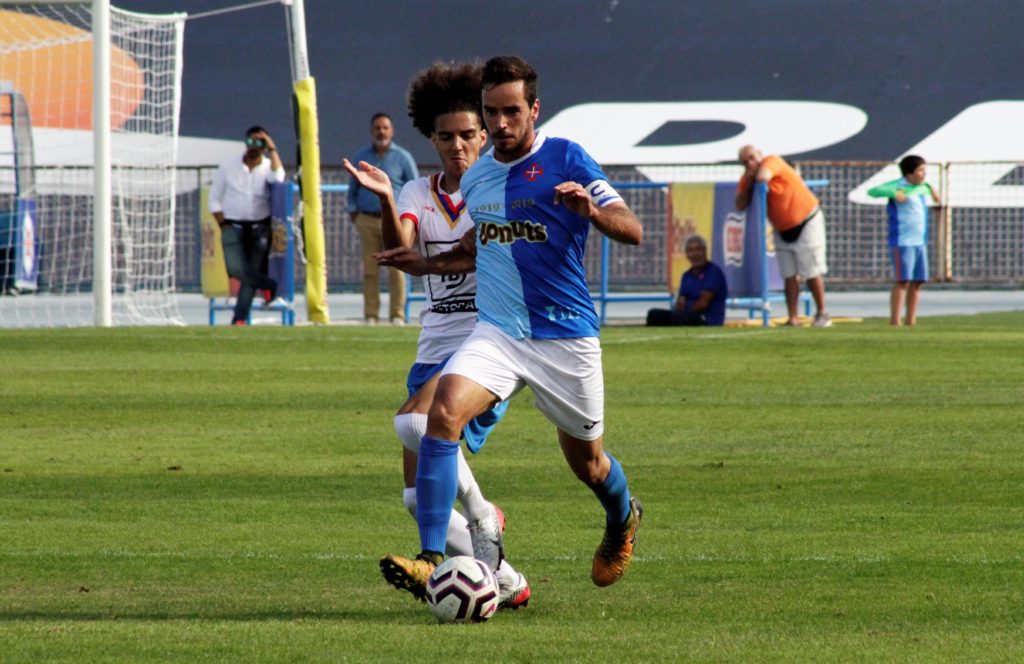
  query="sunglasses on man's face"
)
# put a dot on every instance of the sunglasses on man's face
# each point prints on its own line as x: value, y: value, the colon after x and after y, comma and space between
x: 255, y: 142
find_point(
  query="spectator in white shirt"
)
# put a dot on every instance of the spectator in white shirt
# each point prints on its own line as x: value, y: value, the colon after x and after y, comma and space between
x: 240, y: 202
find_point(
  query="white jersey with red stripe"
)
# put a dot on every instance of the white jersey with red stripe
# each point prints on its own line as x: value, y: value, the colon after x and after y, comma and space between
x: 441, y: 220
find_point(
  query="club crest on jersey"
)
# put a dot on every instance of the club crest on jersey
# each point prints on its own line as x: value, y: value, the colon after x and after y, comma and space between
x: 533, y: 172
x: 512, y: 231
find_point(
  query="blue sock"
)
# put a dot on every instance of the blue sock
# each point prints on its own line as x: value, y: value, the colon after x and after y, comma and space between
x: 614, y: 494
x: 437, y: 483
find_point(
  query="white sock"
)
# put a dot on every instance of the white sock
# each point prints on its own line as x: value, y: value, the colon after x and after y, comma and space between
x: 458, y: 542
x: 409, y: 500
x: 506, y: 573
x: 472, y: 499
x: 411, y: 427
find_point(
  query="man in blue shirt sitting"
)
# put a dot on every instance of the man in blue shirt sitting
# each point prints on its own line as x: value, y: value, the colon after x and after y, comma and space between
x: 702, y: 292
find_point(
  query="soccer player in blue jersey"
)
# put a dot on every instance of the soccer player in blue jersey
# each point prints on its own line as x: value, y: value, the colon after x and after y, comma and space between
x: 444, y: 104
x: 533, y: 199
x: 909, y: 198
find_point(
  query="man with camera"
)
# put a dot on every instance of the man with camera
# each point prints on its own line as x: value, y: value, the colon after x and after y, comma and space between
x: 240, y: 202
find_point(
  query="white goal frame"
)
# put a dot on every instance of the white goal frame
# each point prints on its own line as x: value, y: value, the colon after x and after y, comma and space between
x: 102, y: 195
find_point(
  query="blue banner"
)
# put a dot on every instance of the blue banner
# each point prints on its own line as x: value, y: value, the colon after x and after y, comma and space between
x: 281, y: 261
x: 26, y: 241
x: 742, y: 245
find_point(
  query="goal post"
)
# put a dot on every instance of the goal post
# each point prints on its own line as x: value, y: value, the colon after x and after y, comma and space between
x: 103, y: 87
x: 101, y: 194
x: 307, y: 127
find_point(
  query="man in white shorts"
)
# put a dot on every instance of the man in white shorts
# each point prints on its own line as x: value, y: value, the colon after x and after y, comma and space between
x: 532, y: 199
x: 444, y: 104
x: 795, y: 214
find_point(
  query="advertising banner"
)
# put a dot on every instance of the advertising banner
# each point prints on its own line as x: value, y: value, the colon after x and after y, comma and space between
x: 743, y: 245
x: 26, y: 272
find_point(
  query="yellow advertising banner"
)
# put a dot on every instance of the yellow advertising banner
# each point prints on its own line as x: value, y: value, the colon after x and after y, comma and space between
x: 312, y: 214
x: 213, y: 274
x: 693, y: 208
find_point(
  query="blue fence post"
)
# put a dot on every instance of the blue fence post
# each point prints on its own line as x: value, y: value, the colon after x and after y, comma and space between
x: 288, y: 315
x: 761, y: 191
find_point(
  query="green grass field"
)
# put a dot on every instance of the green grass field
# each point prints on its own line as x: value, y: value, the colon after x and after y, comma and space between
x: 202, y: 495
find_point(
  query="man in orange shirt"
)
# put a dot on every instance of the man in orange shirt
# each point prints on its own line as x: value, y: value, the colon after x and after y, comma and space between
x: 799, y: 224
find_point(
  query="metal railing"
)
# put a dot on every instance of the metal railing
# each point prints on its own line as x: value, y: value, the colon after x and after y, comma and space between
x: 976, y: 239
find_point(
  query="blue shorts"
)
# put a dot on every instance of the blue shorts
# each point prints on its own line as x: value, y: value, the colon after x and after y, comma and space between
x: 910, y: 263
x: 479, y: 427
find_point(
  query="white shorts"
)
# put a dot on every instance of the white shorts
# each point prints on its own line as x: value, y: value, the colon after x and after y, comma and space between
x: 564, y: 374
x: 806, y: 256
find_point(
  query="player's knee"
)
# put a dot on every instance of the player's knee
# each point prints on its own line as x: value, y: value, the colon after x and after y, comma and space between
x: 447, y: 418
x: 411, y: 427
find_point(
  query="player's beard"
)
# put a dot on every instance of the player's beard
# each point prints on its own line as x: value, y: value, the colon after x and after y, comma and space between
x: 517, y: 150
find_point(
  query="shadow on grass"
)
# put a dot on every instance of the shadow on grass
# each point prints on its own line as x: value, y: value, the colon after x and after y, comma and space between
x: 362, y: 616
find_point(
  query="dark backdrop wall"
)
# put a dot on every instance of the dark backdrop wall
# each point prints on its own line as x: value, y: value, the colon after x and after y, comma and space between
x: 910, y: 66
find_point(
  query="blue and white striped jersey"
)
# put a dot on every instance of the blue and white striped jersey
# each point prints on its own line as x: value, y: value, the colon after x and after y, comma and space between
x: 531, y: 280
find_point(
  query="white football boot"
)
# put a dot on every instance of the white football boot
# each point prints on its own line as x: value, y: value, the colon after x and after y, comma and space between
x: 513, y: 589
x: 486, y: 536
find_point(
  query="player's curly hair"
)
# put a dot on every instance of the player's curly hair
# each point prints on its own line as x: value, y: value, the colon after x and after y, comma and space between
x: 444, y: 88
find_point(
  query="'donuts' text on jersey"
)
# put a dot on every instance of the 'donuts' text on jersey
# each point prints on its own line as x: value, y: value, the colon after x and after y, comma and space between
x: 531, y: 280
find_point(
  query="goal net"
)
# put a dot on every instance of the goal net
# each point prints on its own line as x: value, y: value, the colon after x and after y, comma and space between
x: 46, y: 212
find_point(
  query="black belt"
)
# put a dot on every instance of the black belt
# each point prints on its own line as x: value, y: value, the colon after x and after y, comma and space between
x: 372, y: 214
x: 793, y: 234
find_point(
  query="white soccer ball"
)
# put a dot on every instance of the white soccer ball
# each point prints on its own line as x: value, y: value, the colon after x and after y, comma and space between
x: 462, y: 589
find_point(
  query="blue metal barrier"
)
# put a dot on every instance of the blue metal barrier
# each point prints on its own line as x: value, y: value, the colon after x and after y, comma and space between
x: 753, y: 305
x: 602, y: 298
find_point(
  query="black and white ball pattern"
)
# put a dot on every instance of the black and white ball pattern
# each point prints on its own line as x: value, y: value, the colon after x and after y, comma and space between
x: 462, y: 589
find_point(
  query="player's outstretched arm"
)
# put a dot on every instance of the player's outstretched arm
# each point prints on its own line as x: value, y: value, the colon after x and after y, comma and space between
x: 616, y: 220
x: 457, y: 261
x: 404, y: 259
x: 394, y: 231
x: 369, y: 177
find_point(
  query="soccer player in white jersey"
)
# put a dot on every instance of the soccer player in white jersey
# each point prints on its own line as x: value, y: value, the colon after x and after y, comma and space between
x: 444, y: 104
x: 533, y: 199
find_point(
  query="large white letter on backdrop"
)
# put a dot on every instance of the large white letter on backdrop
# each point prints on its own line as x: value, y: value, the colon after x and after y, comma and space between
x: 611, y: 132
